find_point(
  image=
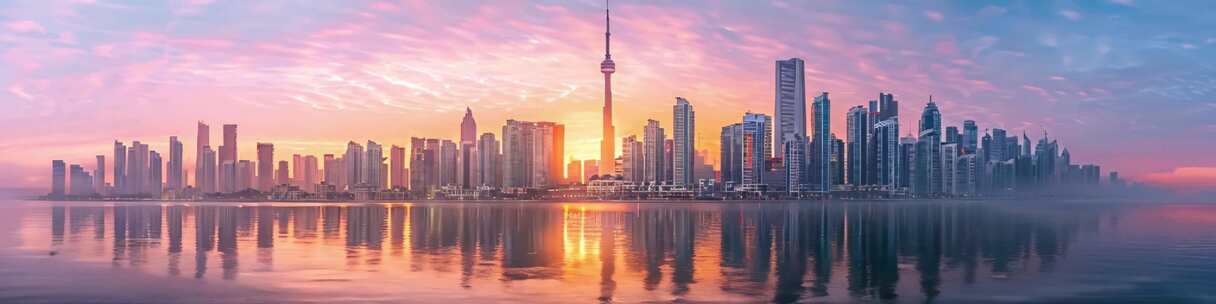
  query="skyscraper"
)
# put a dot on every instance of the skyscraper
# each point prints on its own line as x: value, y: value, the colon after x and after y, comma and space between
x: 120, y: 168
x: 953, y: 136
x: 488, y: 160
x: 887, y: 106
x: 794, y: 158
x: 372, y: 163
x: 332, y: 172
x: 821, y: 144
x: 653, y: 139
x: 683, y: 124
x: 58, y: 175
x: 790, y: 100
x: 857, y: 133
x: 886, y: 146
x: 396, y: 169
x: 447, y: 163
x: 207, y: 178
x: 999, y: 150
x: 949, y: 167
x: 467, y: 175
x: 354, y: 164
x: 265, y: 166
x: 928, y: 152
x: 137, y: 168
x: 155, y: 172
x: 756, y: 147
x: 468, y: 127
x: 731, y: 157
x: 574, y: 172
x: 99, y: 175
x: 202, y: 142
x: 607, y: 67
x: 518, y: 145
x: 970, y: 137
x: 173, y: 171
x: 228, y: 153
x: 282, y: 175
x: 633, y: 159
x: 81, y: 184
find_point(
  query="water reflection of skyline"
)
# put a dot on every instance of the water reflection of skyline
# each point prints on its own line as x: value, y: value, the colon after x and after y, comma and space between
x: 773, y: 252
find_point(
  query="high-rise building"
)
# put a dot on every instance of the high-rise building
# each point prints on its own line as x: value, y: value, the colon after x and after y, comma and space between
x: 467, y: 175
x: 447, y: 163
x: 887, y: 107
x: 821, y: 144
x: 886, y: 147
x: 99, y: 175
x: 518, y: 150
x: 591, y: 167
x: 574, y: 172
x: 228, y: 153
x: 953, y: 136
x: 265, y: 166
x: 683, y: 134
x: 468, y: 127
x: 756, y: 148
x: 173, y: 170
x: 371, y: 170
x: 949, y: 167
x: 137, y: 168
x: 468, y: 163
x: 354, y: 165
x: 207, y: 178
x: 906, y: 166
x: 120, y: 168
x: 297, y: 170
x: 556, y: 147
x: 396, y: 169
x: 79, y: 181
x: 653, y: 139
x: 420, y: 163
x: 488, y: 160
x: 999, y: 150
x: 857, y: 133
x: 837, y: 160
x: 282, y: 175
x: 203, y: 142
x: 332, y: 170
x: 794, y: 159
x: 311, y: 175
x: 58, y: 175
x: 790, y: 100
x: 155, y: 174
x: 928, y: 180
x: 607, y: 144
x: 245, y: 175
x: 633, y: 159
x: 730, y: 161
x: 970, y: 137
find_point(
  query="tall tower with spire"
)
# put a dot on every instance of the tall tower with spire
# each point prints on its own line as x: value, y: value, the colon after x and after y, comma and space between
x: 608, y: 143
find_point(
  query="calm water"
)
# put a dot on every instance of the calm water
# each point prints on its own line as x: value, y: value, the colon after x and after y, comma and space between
x: 598, y: 252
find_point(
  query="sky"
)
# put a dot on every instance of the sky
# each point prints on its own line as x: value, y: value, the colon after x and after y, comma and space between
x: 1127, y: 84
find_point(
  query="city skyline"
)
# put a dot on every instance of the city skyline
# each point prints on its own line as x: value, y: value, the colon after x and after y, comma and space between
x: 960, y: 87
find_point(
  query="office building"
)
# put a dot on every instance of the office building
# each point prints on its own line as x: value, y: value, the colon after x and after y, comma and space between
x: 858, y: 134
x: 821, y: 144
x: 654, y: 166
x: 265, y: 167
x: 173, y: 169
x: 99, y: 175
x: 58, y: 176
x: 396, y: 160
x: 489, y: 160
x: 683, y: 143
x: 203, y: 142
x: 970, y: 137
x: 928, y: 172
x: 789, y: 106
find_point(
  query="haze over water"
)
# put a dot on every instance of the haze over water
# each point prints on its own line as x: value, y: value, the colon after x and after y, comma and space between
x: 531, y: 252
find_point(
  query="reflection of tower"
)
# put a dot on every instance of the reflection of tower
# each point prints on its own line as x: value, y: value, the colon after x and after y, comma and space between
x: 608, y: 143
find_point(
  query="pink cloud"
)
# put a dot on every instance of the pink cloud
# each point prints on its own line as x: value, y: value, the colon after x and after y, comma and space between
x: 1185, y: 179
x: 936, y: 16
x: 25, y: 26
